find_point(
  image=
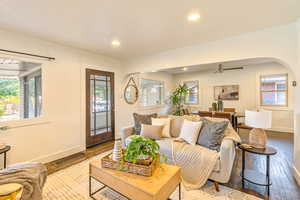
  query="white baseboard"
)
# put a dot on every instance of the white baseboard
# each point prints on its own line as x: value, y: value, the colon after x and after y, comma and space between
x: 296, y: 175
x: 59, y: 154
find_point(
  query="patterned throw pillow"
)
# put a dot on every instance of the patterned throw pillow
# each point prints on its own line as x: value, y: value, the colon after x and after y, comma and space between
x: 140, y: 119
x: 212, y: 134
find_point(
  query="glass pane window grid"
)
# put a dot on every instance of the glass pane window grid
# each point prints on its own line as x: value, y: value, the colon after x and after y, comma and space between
x: 9, y: 98
x: 151, y: 92
x: 100, y: 104
x: 274, y: 90
x: 192, y: 96
x: 32, y: 95
x: 20, y: 95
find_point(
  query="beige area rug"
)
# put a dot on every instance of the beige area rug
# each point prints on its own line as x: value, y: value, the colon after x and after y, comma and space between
x: 72, y: 184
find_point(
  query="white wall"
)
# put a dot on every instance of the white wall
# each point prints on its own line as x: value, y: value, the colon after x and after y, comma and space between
x: 63, y: 100
x: 297, y: 111
x: 168, y: 81
x: 248, y: 81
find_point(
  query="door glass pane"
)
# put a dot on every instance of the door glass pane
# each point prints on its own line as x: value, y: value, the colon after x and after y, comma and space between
x: 92, y: 121
x: 99, y: 105
x: 108, y: 105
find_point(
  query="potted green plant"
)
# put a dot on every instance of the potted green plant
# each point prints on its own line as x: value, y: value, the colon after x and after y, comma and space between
x: 177, y: 98
x: 141, y: 148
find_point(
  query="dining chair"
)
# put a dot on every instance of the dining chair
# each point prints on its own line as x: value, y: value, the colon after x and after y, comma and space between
x: 185, y: 111
x: 229, y: 109
x: 243, y: 126
x: 205, y: 114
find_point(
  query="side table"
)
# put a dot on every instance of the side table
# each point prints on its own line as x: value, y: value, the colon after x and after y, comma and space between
x: 253, y: 176
x: 4, y: 151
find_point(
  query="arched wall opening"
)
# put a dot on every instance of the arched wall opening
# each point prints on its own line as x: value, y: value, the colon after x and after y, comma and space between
x: 287, y: 64
x: 279, y: 42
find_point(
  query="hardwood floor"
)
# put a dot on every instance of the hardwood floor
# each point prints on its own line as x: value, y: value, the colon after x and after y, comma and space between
x: 284, y: 186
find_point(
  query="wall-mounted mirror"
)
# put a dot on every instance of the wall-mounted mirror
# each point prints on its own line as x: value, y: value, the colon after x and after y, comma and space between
x: 131, y: 92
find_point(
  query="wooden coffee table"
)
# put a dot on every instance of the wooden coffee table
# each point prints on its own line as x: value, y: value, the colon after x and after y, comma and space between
x: 159, y: 186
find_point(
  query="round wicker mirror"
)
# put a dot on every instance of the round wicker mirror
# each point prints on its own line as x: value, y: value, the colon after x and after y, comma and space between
x: 131, y: 92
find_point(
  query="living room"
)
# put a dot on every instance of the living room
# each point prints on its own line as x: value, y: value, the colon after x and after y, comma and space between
x: 60, y: 131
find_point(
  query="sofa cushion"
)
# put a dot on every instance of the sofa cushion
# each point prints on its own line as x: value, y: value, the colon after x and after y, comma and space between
x: 152, y: 131
x: 140, y: 119
x: 165, y: 122
x: 176, y: 124
x: 177, y: 121
x: 212, y: 134
x: 190, y: 131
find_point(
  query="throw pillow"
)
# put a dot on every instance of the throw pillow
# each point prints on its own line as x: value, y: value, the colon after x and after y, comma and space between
x: 190, y: 131
x: 141, y: 119
x: 165, y: 122
x: 151, y: 131
x: 212, y: 134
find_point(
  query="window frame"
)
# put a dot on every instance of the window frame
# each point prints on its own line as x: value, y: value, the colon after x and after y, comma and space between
x: 35, y: 75
x: 261, y: 91
x: 141, y: 93
x: 197, y: 83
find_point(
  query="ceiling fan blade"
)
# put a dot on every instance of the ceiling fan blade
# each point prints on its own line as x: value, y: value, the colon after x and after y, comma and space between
x: 233, y: 68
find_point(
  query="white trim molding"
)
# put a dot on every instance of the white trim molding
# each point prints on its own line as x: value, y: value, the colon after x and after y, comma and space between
x: 59, y: 154
x: 296, y: 175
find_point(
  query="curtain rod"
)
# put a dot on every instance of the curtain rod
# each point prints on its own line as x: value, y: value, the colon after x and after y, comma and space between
x: 27, y: 54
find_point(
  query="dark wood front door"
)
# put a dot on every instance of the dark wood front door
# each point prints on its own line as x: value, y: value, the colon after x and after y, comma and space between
x: 100, y: 123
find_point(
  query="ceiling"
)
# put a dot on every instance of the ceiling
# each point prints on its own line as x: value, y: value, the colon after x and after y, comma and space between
x: 142, y: 27
x: 212, y: 67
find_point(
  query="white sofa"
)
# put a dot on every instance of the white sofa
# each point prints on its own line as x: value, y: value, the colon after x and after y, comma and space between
x: 224, y: 165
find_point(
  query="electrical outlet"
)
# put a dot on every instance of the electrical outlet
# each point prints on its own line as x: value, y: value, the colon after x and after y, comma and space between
x: 294, y: 83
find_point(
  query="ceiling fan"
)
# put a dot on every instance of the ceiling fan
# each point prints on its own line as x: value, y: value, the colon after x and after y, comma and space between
x: 221, y: 69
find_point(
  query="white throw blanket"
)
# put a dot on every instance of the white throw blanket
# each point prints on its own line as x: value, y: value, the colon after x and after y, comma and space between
x: 196, y: 163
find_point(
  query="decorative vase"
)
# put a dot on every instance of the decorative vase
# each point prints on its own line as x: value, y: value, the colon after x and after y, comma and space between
x: 220, y: 105
x: 117, y: 151
x: 258, y: 138
x: 214, y: 106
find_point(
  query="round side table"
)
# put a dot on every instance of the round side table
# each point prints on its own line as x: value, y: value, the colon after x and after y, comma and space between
x: 253, y: 176
x: 4, y: 151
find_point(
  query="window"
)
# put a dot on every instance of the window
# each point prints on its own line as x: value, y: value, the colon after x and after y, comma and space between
x: 274, y: 90
x: 20, y: 90
x: 151, y: 92
x: 193, y: 92
x: 32, y: 95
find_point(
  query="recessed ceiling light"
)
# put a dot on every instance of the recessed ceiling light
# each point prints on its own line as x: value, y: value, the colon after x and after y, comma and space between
x: 115, y: 43
x: 185, y: 69
x: 193, y: 16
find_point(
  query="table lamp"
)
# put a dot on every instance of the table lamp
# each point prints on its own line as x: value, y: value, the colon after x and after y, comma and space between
x: 259, y: 120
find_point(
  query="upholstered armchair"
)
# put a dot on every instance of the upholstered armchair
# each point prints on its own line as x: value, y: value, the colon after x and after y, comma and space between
x: 11, y: 191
